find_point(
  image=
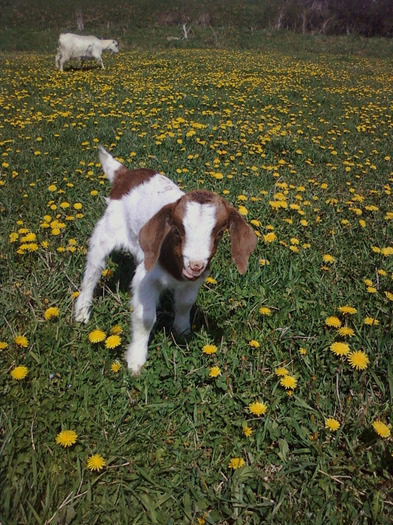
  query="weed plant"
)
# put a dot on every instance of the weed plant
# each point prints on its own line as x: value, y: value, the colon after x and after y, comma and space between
x: 288, y: 418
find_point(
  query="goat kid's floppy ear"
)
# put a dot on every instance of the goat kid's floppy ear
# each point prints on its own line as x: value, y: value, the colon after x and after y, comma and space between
x: 243, y: 240
x: 152, y: 235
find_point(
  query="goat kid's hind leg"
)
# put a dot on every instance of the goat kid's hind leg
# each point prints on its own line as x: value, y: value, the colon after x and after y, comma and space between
x: 101, y: 245
x: 144, y: 302
x: 185, y: 298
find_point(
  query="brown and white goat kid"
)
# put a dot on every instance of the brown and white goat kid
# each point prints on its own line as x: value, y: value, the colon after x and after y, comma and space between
x: 171, y: 234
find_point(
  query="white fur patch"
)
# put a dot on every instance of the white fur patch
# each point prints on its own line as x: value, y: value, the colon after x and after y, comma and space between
x: 199, y: 221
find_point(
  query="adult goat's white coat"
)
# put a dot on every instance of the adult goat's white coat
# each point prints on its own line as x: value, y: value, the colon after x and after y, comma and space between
x: 80, y: 46
x: 171, y: 234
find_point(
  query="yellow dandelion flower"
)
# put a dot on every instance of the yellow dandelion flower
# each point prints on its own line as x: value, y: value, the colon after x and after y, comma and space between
x: 117, y: 329
x: 371, y: 289
x: 387, y: 251
x: 281, y: 371
x: 96, y: 336
x: 332, y: 424
x: 209, y: 349
x: 13, y: 237
x: 254, y: 344
x: 22, y: 341
x: 333, y: 321
x: 347, y: 309
x: 389, y: 296
x: 236, y: 463
x: 247, y: 431
x: 113, y: 341
x: 358, y: 360
x: 30, y: 237
x: 371, y: 321
x: 51, y: 313
x: 270, y: 237
x: 265, y: 310
x: 381, y: 429
x: 115, y: 367
x: 66, y: 438
x: 257, y: 408
x: 346, y: 331
x: 302, y: 351
x: 339, y: 348
x: 214, y: 371
x: 210, y: 280
x: 288, y: 382
x: 327, y: 258
x: 96, y: 463
x: 19, y: 372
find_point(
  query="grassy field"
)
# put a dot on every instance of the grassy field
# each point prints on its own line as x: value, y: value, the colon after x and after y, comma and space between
x: 295, y: 428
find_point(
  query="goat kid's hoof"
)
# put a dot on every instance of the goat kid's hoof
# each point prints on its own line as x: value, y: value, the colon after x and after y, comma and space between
x: 182, y: 337
x: 82, y: 315
x: 134, y: 368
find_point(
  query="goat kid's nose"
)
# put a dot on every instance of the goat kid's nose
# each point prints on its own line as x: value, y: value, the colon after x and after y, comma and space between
x: 196, y: 266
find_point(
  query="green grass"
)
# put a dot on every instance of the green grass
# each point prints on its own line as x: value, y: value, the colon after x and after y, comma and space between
x: 311, y: 130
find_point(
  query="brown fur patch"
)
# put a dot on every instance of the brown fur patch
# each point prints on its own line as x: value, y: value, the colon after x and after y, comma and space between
x: 125, y: 180
x: 202, y: 197
x: 171, y: 256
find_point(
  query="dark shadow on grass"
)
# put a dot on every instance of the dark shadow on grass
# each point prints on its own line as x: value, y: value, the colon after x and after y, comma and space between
x: 81, y: 67
x: 198, y: 318
x: 121, y: 281
x: 124, y: 272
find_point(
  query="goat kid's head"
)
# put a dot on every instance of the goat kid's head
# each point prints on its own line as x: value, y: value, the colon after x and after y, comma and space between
x: 184, y: 235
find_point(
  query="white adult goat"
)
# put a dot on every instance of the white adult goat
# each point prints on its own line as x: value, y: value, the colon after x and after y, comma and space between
x: 78, y: 46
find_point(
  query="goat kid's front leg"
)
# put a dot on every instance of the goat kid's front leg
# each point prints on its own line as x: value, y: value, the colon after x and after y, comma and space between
x: 146, y: 293
x: 101, y: 245
x: 185, y: 297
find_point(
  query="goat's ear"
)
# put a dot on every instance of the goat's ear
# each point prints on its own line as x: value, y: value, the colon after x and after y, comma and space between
x: 243, y: 240
x: 152, y: 235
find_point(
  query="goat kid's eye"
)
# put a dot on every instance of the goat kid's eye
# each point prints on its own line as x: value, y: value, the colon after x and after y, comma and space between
x: 176, y: 232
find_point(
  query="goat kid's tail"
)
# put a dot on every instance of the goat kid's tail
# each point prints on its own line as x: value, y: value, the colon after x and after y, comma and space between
x: 108, y: 163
